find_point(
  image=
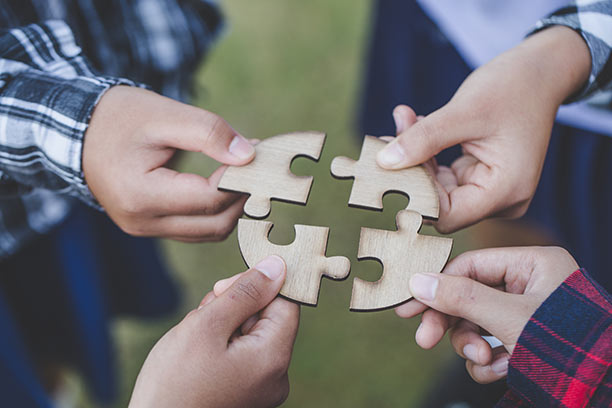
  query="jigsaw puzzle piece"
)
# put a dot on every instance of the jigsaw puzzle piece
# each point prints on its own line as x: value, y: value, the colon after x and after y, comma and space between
x: 269, y: 175
x: 372, y: 181
x: 305, y: 257
x: 402, y: 253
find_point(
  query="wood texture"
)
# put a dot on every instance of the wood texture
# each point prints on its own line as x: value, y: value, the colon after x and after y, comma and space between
x: 305, y: 257
x: 269, y: 176
x: 402, y: 253
x: 372, y: 181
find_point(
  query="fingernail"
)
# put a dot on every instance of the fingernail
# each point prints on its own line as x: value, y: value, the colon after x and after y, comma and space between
x: 271, y: 266
x: 418, y: 333
x: 399, y: 122
x: 500, y: 367
x: 240, y: 147
x: 391, y: 155
x: 424, y: 287
x: 470, y: 352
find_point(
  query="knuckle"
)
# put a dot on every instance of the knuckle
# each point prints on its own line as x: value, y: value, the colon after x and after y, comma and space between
x: 135, y: 229
x: 132, y: 206
x: 216, y: 127
x: 245, y: 290
x: 460, y: 297
x: 215, y: 205
x: 223, y: 230
x: 282, y: 391
x: 425, y: 133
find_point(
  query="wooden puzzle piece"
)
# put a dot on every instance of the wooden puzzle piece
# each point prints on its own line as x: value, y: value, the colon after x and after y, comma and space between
x: 402, y: 253
x: 305, y: 257
x: 269, y: 176
x: 372, y: 181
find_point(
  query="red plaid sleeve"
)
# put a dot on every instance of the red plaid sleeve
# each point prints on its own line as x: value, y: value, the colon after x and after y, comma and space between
x: 564, y: 354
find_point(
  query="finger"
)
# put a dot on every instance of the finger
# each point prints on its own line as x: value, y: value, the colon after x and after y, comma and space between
x: 252, y: 292
x: 410, y: 309
x: 502, y: 314
x: 169, y: 192
x: 404, y: 117
x: 279, y: 322
x: 207, y: 133
x: 210, y: 296
x: 469, y: 344
x: 224, y: 284
x: 495, y: 266
x: 248, y: 325
x: 200, y: 228
x: 426, y: 138
x: 489, y: 373
x: 432, y: 329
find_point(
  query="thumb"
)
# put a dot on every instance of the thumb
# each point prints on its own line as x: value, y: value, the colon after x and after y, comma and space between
x: 420, y: 141
x: 249, y: 294
x: 208, y: 133
x: 498, y: 312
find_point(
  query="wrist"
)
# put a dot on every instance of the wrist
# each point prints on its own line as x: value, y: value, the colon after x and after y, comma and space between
x: 559, y: 61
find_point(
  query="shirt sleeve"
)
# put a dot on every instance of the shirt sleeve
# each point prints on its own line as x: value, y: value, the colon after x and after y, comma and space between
x: 564, y: 354
x: 47, y: 95
x: 593, y: 21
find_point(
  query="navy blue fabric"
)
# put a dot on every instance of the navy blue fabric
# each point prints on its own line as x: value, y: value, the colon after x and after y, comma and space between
x: 19, y: 386
x: 411, y: 62
x: 61, y: 291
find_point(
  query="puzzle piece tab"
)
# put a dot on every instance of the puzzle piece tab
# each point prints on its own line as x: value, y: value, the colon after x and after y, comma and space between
x: 402, y: 253
x: 269, y: 176
x: 372, y: 181
x: 305, y: 257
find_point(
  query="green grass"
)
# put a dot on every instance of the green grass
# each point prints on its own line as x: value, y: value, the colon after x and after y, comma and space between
x: 286, y: 66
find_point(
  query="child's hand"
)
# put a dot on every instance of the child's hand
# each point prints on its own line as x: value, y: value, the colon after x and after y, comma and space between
x: 493, y: 290
x: 502, y: 116
x: 233, y: 351
x: 132, y: 135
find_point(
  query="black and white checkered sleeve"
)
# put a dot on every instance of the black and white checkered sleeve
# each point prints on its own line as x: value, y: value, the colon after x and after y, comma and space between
x: 47, y: 95
x: 592, y: 19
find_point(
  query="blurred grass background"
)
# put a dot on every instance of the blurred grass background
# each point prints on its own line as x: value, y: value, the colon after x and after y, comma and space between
x: 285, y: 66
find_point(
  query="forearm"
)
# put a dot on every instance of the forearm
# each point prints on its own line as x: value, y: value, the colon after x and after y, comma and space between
x: 591, y: 21
x: 559, y: 58
x: 549, y: 66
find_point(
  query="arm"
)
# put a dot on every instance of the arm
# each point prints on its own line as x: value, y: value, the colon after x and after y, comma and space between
x: 593, y: 22
x: 502, y: 116
x: 555, y: 325
x: 65, y: 128
x: 233, y: 351
x: 47, y: 96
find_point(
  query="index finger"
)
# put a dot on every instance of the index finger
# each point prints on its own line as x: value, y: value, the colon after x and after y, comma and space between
x: 493, y: 266
x: 175, y: 193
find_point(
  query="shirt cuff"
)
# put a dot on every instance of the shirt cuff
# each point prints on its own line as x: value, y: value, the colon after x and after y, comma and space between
x: 564, y: 350
x: 54, y: 113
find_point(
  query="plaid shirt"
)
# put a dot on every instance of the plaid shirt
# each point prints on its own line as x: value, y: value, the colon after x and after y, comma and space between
x: 52, y: 54
x: 563, y: 358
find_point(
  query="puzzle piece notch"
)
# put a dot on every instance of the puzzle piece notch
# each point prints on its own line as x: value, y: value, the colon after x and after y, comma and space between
x: 269, y: 175
x: 305, y: 257
x: 402, y: 253
x: 372, y: 181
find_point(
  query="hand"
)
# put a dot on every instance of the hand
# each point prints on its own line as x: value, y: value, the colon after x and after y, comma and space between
x: 502, y: 116
x: 492, y: 291
x: 233, y: 351
x: 132, y: 135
